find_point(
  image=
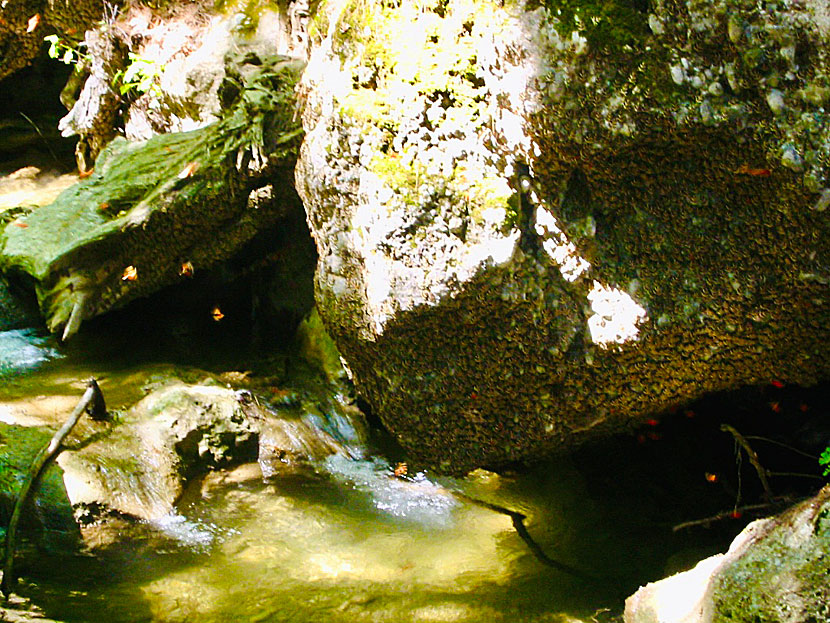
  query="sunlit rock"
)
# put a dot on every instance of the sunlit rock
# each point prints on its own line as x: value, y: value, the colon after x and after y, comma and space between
x: 775, y: 570
x: 139, y: 465
x: 537, y: 223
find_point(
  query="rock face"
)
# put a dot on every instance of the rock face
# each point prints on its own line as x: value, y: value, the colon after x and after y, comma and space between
x: 775, y: 570
x: 139, y: 468
x: 538, y: 223
x: 140, y: 465
x: 24, y: 23
x: 153, y: 211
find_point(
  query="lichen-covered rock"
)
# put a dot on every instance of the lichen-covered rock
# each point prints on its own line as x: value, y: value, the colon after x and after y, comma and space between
x: 159, y: 69
x: 139, y: 467
x: 154, y: 211
x: 536, y: 223
x: 775, y: 570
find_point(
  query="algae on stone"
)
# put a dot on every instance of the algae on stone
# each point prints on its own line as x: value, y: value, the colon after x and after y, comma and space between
x: 51, y: 509
x: 150, y: 207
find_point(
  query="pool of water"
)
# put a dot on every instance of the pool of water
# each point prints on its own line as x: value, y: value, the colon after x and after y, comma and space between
x: 344, y: 539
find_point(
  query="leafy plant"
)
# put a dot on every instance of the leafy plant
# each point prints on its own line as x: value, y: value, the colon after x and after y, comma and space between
x: 65, y: 52
x: 141, y: 75
x: 824, y: 460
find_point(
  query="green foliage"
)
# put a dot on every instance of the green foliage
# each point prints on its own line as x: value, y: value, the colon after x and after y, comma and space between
x: 607, y: 25
x: 141, y: 75
x: 66, y: 52
x: 824, y: 460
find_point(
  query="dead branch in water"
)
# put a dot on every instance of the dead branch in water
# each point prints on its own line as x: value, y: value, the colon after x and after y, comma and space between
x: 91, y: 402
x: 736, y: 513
x: 753, y: 458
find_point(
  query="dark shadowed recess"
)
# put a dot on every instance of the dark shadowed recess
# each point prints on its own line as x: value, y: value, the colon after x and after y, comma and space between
x: 30, y: 109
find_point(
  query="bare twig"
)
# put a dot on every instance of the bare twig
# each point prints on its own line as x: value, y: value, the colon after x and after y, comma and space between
x: 782, y: 445
x: 733, y: 514
x: 92, y: 401
x: 753, y: 458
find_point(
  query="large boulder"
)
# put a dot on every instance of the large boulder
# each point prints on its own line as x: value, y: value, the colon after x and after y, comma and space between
x: 156, y: 210
x: 538, y: 223
x: 775, y: 570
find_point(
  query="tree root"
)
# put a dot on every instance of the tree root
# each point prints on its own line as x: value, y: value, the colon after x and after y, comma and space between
x: 93, y: 403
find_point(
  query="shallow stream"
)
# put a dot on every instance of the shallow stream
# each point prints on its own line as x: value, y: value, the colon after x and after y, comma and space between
x: 344, y: 539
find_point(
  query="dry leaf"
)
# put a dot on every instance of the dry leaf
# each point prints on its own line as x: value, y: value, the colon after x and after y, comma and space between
x: 130, y: 273
x: 186, y: 270
x: 189, y: 170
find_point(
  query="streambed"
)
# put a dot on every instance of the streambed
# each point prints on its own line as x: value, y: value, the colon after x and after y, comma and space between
x: 343, y: 539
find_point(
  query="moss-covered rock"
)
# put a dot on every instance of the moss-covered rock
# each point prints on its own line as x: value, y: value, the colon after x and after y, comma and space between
x: 49, y: 517
x: 538, y: 223
x: 775, y: 570
x: 782, y: 575
x: 153, y: 211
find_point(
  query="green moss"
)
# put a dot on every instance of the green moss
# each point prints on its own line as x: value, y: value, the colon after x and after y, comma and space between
x: 18, y: 447
x: 148, y: 204
x: 607, y: 25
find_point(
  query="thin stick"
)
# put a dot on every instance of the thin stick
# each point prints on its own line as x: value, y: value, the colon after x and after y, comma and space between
x: 730, y: 514
x: 37, y: 129
x: 753, y: 458
x: 90, y: 397
x: 783, y: 445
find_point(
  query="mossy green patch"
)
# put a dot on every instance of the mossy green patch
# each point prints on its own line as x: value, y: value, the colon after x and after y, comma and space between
x: 607, y: 25
x: 18, y: 447
x: 156, y: 204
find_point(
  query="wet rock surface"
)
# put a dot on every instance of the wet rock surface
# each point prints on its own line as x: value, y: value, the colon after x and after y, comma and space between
x: 140, y: 465
x: 775, y: 570
x: 553, y: 221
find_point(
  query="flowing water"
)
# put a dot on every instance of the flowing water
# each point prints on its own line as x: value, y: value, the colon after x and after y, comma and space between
x: 343, y: 539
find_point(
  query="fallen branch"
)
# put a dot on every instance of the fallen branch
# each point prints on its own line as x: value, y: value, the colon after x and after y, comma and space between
x: 753, y: 458
x: 734, y: 513
x: 93, y: 403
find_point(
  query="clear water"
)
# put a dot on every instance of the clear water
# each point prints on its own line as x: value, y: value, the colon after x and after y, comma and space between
x: 343, y: 539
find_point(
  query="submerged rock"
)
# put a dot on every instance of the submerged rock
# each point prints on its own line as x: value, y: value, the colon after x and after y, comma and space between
x: 539, y: 223
x: 775, y: 570
x: 140, y: 466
